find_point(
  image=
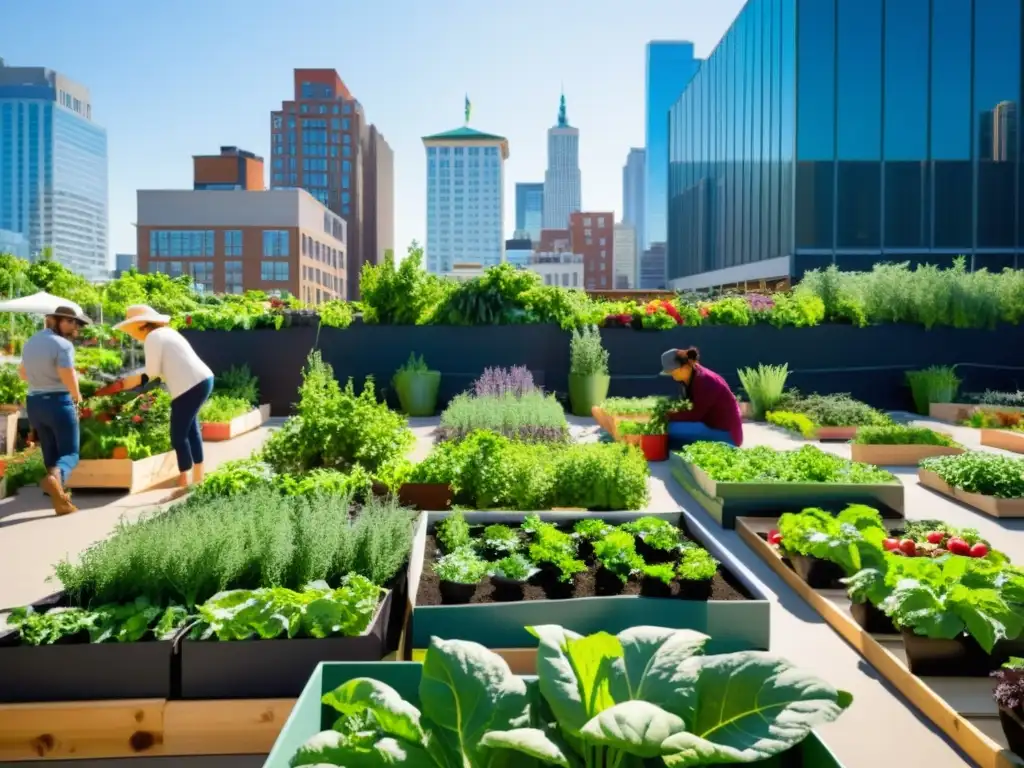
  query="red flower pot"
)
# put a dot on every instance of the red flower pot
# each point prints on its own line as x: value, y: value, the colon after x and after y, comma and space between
x: 655, y: 447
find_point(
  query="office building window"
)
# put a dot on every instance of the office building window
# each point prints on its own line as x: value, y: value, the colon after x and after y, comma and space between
x: 275, y: 242
x: 233, y: 242
x: 274, y: 271
x: 181, y: 242
x: 201, y: 273
x: 233, y: 277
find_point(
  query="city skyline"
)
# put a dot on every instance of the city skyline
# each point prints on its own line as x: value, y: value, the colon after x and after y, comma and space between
x: 159, y: 107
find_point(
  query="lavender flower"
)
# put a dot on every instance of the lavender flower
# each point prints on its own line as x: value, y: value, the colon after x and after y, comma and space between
x: 759, y: 302
x: 516, y: 381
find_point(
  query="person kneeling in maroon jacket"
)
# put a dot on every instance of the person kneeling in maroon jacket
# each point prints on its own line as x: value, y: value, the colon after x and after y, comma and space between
x: 715, y: 415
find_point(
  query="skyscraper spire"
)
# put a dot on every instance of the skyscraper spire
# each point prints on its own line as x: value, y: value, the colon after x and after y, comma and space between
x: 563, y: 119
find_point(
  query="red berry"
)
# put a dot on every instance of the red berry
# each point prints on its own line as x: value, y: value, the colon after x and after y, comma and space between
x: 908, y: 547
x: 891, y: 544
x: 774, y: 538
x: 979, y: 550
x: 936, y: 537
x: 958, y: 546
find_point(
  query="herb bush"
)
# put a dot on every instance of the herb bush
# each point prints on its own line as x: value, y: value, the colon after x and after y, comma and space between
x: 989, y: 474
x: 602, y: 708
x: 238, y: 382
x: 24, y: 468
x: 497, y: 382
x: 765, y: 387
x: 833, y: 410
x: 91, y: 359
x: 587, y: 355
x: 993, y: 397
x: 532, y: 417
x: 629, y: 406
x: 986, y: 419
x: 901, y: 434
x: 257, y: 539
x: 223, y: 408
x: 140, y: 424
x: 13, y: 390
x: 761, y: 464
x: 336, y: 428
x: 937, y: 384
x: 794, y: 422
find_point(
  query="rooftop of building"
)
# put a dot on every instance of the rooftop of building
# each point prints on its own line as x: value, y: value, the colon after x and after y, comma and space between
x: 466, y: 135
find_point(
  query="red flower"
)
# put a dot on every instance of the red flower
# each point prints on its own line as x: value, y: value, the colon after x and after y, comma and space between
x: 188, y: 319
x: 86, y: 413
x: 704, y: 312
x: 136, y: 418
x: 669, y: 308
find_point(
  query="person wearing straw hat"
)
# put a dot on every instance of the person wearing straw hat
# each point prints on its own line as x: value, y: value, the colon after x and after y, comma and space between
x: 48, y: 366
x: 170, y: 358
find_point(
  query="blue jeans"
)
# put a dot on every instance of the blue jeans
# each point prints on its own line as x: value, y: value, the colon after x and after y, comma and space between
x: 682, y: 433
x: 186, y: 437
x: 55, y: 419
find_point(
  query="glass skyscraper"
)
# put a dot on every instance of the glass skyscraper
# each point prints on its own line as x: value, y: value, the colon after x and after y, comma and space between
x: 530, y: 208
x: 53, y: 168
x: 670, y: 67
x: 849, y: 132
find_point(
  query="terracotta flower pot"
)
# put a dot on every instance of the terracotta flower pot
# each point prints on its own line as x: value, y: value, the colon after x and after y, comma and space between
x: 655, y: 447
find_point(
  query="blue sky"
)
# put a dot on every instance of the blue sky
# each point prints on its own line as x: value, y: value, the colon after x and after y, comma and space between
x: 174, y: 79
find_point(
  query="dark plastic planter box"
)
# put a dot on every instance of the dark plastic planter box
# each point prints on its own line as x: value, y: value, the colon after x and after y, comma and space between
x: 272, y: 669
x: 872, y: 620
x: 819, y: 574
x: 1013, y: 729
x: 82, y: 671
x: 727, y: 501
x: 960, y: 657
x: 309, y: 717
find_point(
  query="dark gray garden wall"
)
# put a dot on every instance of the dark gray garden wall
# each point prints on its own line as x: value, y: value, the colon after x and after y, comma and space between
x: 866, y: 362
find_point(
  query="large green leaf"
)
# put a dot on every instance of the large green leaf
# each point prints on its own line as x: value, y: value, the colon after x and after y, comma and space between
x: 333, y: 748
x: 634, y: 727
x: 652, y: 660
x: 467, y: 690
x: 749, y: 706
x: 919, y: 607
x: 532, y: 742
x: 394, y: 715
x: 986, y: 615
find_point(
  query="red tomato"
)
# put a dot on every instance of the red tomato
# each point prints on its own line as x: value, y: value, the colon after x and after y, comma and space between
x: 958, y: 546
x: 774, y: 538
x: 908, y: 547
x: 136, y: 418
x: 979, y: 550
x: 936, y: 537
x: 891, y: 544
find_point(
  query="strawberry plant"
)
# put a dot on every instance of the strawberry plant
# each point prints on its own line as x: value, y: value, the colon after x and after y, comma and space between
x: 137, y: 423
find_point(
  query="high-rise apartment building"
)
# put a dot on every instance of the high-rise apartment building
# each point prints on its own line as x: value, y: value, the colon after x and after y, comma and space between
x: 652, y: 268
x: 592, y: 236
x: 670, y: 67
x: 633, y: 175
x: 125, y: 262
x: 624, y: 254
x: 530, y: 208
x: 321, y: 141
x: 562, y: 185
x: 465, y: 199
x: 825, y: 132
x: 53, y: 168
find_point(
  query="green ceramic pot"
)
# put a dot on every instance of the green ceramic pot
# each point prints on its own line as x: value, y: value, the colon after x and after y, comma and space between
x: 587, y: 391
x: 417, y: 391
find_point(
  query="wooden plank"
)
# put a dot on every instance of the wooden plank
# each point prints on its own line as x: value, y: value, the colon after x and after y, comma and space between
x: 233, y: 727
x: 982, y: 748
x: 899, y: 455
x: 1007, y: 439
x: 988, y: 505
x: 125, y: 474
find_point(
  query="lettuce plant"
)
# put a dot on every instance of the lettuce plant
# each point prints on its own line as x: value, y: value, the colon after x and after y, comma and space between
x: 598, y: 701
x: 852, y: 539
x: 617, y: 554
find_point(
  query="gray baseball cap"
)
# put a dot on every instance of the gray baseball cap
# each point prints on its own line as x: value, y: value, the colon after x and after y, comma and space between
x: 669, y: 361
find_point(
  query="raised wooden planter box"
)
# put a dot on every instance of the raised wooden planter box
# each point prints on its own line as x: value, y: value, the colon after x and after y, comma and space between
x: 732, y: 624
x: 1007, y: 439
x: 954, y: 413
x: 899, y: 455
x: 961, y: 707
x: 225, y: 430
x: 610, y: 424
x: 309, y: 717
x: 989, y: 505
x: 725, y: 502
x: 124, y: 474
x: 835, y: 433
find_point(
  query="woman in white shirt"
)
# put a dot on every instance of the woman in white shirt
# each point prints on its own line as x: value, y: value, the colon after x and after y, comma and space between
x: 189, y: 380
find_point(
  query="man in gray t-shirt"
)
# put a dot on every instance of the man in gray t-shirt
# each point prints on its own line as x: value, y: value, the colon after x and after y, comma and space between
x: 48, y: 365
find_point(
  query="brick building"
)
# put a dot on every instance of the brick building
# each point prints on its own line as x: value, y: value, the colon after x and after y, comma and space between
x: 592, y: 235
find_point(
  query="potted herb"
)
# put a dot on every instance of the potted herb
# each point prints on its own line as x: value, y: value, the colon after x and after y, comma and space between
x: 657, y: 579
x: 586, y: 532
x: 765, y: 386
x: 430, y: 485
x: 650, y: 436
x: 696, y: 572
x: 657, y: 539
x: 452, y: 533
x: 13, y: 390
x: 417, y: 386
x: 459, y: 572
x: 554, y: 552
x: 509, y: 575
x: 617, y: 559
x: 937, y: 384
x: 588, y: 371
x: 499, y: 541
x: 1009, y: 695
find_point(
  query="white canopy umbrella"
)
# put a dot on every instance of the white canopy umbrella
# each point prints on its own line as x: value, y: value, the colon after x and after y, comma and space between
x: 41, y: 303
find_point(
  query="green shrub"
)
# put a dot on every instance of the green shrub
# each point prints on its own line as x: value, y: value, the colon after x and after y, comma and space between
x: 937, y: 384
x: 238, y: 382
x: 764, y: 387
x: 13, y: 390
x: 587, y: 355
x: 794, y: 422
x: 220, y: 409
x: 834, y: 410
x: 899, y: 434
x: 533, y: 417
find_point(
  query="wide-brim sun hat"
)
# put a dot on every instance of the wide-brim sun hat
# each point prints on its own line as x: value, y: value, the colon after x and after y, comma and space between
x: 141, y: 314
x: 70, y: 313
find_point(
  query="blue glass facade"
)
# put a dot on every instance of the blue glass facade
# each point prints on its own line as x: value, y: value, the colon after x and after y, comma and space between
x: 670, y: 66
x: 905, y: 145
x: 530, y: 208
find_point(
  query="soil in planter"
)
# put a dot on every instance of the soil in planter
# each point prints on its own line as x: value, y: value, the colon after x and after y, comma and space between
x: 724, y: 586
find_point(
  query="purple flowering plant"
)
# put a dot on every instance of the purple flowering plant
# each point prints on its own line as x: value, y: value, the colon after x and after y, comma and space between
x: 517, y: 381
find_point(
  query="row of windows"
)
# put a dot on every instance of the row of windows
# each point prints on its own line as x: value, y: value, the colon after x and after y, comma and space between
x: 182, y: 242
x: 321, y: 109
x: 314, y: 137
x: 568, y: 279
x: 457, y: 151
x: 323, y: 278
x: 314, y: 150
x: 320, y: 252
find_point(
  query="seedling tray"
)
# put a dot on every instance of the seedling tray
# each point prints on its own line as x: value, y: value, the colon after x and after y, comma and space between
x: 733, y: 624
x: 961, y: 707
x: 1007, y: 439
x: 272, y: 669
x: 82, y: 671
x: 216, y: 431
x: 309, y: 717
x: 988, y: 505
x: 726, y: 502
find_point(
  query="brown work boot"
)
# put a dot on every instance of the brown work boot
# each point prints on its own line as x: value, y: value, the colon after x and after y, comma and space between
x: 60, y: 499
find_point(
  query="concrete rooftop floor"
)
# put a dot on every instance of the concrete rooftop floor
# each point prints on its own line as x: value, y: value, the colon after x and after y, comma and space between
x: 880, y: 729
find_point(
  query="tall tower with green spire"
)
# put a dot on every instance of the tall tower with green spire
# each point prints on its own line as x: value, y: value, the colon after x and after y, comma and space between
x: 562, y: 178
